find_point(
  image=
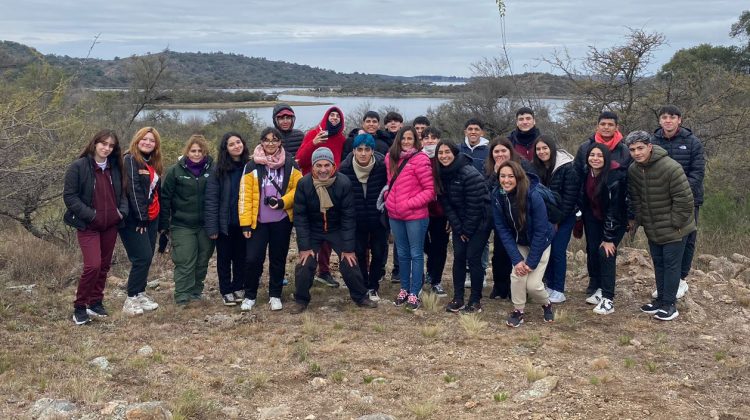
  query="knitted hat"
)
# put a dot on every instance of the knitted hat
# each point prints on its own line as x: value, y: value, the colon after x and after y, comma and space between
x: 322, y: 153
x: 637, y: 136
x: 364, y: 139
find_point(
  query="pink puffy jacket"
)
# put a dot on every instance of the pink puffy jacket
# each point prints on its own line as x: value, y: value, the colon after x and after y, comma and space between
x: 413, y: 189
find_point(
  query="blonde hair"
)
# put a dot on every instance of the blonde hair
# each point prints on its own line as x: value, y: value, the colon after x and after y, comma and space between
x: 155, y: 158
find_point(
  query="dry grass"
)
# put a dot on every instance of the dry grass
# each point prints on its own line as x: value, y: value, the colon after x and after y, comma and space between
x: 422, y: 410
x: 430, y: 302
x: 473, y: 324
x: 534, y: 373
x: 431, y: 331
x: 600, y: 363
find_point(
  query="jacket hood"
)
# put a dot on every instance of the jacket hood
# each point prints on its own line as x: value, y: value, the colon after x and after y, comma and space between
x: 482, y: 142
x: 682, y: 132
x: 280, y: 107
x: 324, y: 120
x: 562, y: 158
x: 657, y: 153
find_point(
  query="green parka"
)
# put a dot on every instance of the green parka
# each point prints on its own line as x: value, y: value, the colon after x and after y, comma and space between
x: 182, y: 196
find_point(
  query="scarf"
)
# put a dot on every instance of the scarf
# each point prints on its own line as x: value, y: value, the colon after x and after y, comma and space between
x: 527, y: 137
x: 324, y: 198
x: 611, y: 143
x: 363, y: 172
x: 274, y: 161
x: 408, y: 152
x: 195, y: 168
x: 333, y: 129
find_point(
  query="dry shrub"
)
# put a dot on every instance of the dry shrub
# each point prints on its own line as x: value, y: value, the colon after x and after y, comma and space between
x: 600, y: 363
x: 27, y: 259
x: 534, y: 373
x: 473, y: 324
x: 430, y: 301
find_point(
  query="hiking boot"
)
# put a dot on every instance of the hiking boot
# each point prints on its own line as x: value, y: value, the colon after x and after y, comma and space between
x: 605, y: 307
x: 438, y: 290
x: 401, y: 297
x: 472, y: 308
x: 667, y: 313
x: 413, y: 302
x: 556, y: 297
x: 97, y: 310
x: 132, y: 306
x: 515, y: 319
x: 372, y: 294
x: 454, y: 306
x: 651, y: 308
x: 275, y: 304
x: 230, y: 299
x: 247, y: 304
x: 327, y: 280
x: 239, y: 295
x: 549, y: 316
x: 297, y: 308
x: 367, y: 303
x: 595, y: 298
x: 81, y: 316
x: 147, y: 304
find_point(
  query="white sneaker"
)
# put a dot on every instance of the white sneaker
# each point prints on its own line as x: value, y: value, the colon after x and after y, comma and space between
x: 681, y: 290
x: 275, y: 303
x: 132, y: 307
x: 556, y: 297
x: 247, y: 304
x: 605, y: 307
x: 373, y: 295
x: 595, y: 298
x: 147, y: 304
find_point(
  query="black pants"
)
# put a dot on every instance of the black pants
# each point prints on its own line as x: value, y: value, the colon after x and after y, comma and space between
x: 667, y: 261
x: 602, y: 269
x: 501, y: 268
x: 303, y: 274
x: 372, y: 240
x: 140, y: 248
x: 687, y: 256
x: 274, y: 237
x: 436, y: 248
x: 469, y: 254
x: 230, y: 260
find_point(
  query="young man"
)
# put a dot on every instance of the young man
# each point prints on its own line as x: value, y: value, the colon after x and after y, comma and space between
x: 437, y: 236
x: 607, y: 134
x: 371, y: 126
x: 682, y: 146
x: 525, y: 133
x: 475, y: 146
x: 393, y: 122
x: 324, y: 211
x: 283, y: 120
x: 419, y: 124
x: 663, y: 204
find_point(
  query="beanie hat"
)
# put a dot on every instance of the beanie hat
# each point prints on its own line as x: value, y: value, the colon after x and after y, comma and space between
x: 322, y: 153
x: 638, y: 136
x: 364, y: 139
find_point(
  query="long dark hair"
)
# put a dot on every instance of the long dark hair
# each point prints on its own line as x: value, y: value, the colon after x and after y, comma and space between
x: 489, y: 163
x: 522, y: 189
x: 438, y: 168
x: 604, y: 174
x: 115, y: 157
x: 394, y: 153
x: 224, y: 162
x: 544, y: 169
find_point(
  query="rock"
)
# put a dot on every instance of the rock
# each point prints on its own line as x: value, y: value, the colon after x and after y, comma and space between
x: 379, y: 380
x: 355, y: 394
x: 145, y: 351
x: 47, y: 408
x: 715, y: 277
x: 153, y: 284
x: 230, y: 412
x: 696, y: 312
x: 114, y: 409
x: 581, y: 256
x: 739, y: 258
x: 635, y: 343
x: 539, y: 389
x: 726, y: 299
x: 318, y: 383
x: 377, y: 416
x: 368, y: 399
x: 273, y: 412
x: 151, y: 410
x: 117, y: 281
x: 723, y: 266
x: 310, y: 417
x: 470, y: 404
x: 101, y: 362
x: 705, y: 258
x: 707, y: 296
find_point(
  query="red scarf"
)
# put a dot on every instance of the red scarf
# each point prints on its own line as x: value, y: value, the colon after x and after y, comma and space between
x: 611, y: 143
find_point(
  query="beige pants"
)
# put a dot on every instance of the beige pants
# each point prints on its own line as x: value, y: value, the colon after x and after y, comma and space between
x: 532, y: 284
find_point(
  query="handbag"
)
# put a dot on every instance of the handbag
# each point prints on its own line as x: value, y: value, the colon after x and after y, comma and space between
x: 384, y: 214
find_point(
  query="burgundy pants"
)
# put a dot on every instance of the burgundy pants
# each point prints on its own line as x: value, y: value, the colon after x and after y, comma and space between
x: 324, y: 258
x: 97, y: 248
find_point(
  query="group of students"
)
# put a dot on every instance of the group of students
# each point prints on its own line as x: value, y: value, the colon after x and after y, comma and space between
x: 347, y: 192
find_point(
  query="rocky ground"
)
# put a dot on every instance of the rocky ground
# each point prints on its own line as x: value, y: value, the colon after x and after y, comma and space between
x: 341, y: 362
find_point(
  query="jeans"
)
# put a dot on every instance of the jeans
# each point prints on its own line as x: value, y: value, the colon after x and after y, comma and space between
x: 273, y: 237
x: 667, y: 263
x: 558, y: 260
x: 191, y: 250
x: 469, y: 254
x: 230, y: 260
x: 410, y: 245
x: 436, y: 248
x: 687, y: 257
x: 375, y: 240
x: 97, y: 248
x: 140, y: 249
x: 602, y: 269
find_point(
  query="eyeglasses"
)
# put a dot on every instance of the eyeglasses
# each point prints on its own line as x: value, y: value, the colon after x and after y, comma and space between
x: 271, y: 141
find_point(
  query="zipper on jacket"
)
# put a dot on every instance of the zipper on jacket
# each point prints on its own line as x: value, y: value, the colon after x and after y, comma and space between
x: 510, y: 212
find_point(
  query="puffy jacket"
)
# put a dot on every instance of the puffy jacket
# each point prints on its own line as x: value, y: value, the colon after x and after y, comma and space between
x: 291, y: 139
x: 465, y: 198
x: 612, y: 202
x: 565, y: 182
x: 182, y: 196
x: 525, y: 149
x: 687, y: 150
x: 477, y: 154
x: 335, y: 142
x: 621, y: 155
x: 137, y: 186
x: 538, y: 228
x: 309, y: 224
x: 249, y: 201
x: 413, y: 190
x: 78, y: 192
x: 219, y: 201
x: 661, y: 197
x: 367, y: 212
x: 383, y: 142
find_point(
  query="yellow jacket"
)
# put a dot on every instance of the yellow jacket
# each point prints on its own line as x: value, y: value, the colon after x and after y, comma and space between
x: 249, y: 199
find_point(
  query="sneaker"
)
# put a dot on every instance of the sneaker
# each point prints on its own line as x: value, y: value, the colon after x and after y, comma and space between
x: 239, y: 295
x: 515, y: 319
x: 427, y: 278
x: 367, y: 303
x: 372, y: 294
x: 595, y: 298
x: 284, y: 282
x: 274, y: 303
x: 401, y: 297
x: 438, y: 290
x: 413, y: 302
x: 549, y: 291
x: 454, y: 306
x: 147, y: 304
x: 229, y: 299
x: 132, y: 306
x: 681, y: 290
x: 605, y: 307
x: 81, y: 316
x: 395, y: 277
x: 297, y: 308
x: 247, y: 304
x: 327, y: 280
x: 549, y: 316
x: 97, y: 310
x: 472, y: 308
x: 667, y: 313
x: 651, y: 308
x: 556, y: 297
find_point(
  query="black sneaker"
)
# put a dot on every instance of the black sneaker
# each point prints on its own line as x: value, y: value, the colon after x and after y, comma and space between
x: 666, y: 313
x: 395, y: 277
x: 472, y: 308
x: 97, y: 310
x: 367, y: 303
x: 454, y: 306
x: 401, y: 297
x: 229, y: 299
x: 438, y: 290
x: 81, y: 316
x: 651, y: 308
x: 327, y: 280
x: 515, y: 319
x: 427, y: 279
x: 549, y: 316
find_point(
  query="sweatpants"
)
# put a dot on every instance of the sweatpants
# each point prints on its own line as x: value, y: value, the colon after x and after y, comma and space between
x: 436, y: 248
x: 273, y: 237
x: 667, y: 260
x: 97, y: 248
x: 531, y: 285
x: 140, y: 249
x: 191, y: 250
x: 469, y: 254
x: 371, y: 242
x: 602, y: 269
x: 230, y: 260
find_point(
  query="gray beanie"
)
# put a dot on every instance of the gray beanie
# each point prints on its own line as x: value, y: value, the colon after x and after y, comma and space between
x: 637, y: 136
x: 322, y: 153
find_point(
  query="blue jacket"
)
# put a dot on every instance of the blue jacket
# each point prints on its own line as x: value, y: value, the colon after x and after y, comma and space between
x: 538, y: 228
x: 478, y: 154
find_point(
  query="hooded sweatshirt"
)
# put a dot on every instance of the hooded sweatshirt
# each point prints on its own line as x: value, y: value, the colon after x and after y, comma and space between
x: 478, y: 153
x: 291, y: 139
x: 335, y: 142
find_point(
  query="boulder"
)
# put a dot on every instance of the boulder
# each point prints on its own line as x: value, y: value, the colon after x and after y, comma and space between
x: 152, y: 410
x: 723, y: 266
x: 273, y: 412
x: 539, y: 389
x: 48, y: 409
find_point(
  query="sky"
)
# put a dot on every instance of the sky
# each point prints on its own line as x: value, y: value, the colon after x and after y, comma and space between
x: 408, y: 38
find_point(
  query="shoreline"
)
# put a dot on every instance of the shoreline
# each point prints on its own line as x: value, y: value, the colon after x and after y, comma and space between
x: 232, y: 105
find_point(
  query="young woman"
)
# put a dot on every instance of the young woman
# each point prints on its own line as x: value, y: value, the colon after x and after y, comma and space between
x: 411, y: 188
x: 466, y: 201
x: 182, y: 198
x: 438, y: 229
x: 95, y: 206
x: 266, y: 201
x: 602, y: 202
x: 222, y: 216
x: 556, y: 170
x: 142, y: 172
x: 520, y: 218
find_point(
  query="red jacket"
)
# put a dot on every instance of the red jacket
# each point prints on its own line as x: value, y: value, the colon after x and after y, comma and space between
x: 335, y: 142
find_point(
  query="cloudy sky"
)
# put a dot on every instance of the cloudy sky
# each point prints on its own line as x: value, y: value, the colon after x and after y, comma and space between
x: 388, y: 36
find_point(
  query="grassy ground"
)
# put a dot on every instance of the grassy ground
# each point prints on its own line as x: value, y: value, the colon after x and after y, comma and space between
x: 428, y: 364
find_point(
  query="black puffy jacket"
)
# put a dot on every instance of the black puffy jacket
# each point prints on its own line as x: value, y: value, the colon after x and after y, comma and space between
x: 465, y: 197
x: 291, y: 139
x: 613, y: 204
x: 309, y: 224
x: 365, y: 205
x: 565, y: 182
x: 687, y: 150
x: 219, y: 200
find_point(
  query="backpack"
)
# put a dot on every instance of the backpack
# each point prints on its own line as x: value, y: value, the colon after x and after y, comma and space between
x: 551, y: 202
